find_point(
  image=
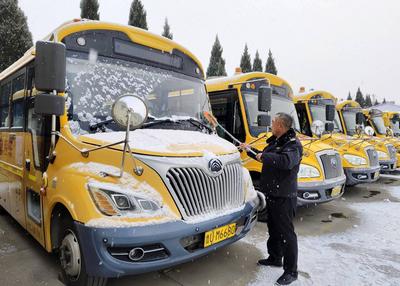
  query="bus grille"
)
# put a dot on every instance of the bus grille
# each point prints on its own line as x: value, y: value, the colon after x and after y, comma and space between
x: 332, y: 165
x: 373, y: 158
x: 392, y: 151
x: 200, y: 193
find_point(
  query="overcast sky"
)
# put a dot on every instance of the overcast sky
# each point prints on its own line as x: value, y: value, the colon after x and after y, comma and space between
x: 334, y: 45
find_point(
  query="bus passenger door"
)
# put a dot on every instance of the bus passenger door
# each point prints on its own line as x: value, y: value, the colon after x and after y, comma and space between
x: 37, y: 140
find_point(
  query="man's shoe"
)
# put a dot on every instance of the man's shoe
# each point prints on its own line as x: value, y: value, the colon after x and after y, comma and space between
x: 287, y: 278
x: 270, y: 262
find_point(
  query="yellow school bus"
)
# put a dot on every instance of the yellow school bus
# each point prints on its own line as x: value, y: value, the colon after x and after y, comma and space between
x: 105, y: 157
x: 392, y: 121
x: 316, y: 110
x: 234, y: 102
x: 374, y: 118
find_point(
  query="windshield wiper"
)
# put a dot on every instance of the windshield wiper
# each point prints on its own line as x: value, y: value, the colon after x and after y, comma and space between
x: 197, y: 123
x: 100, y: 125
x: 160, y: 121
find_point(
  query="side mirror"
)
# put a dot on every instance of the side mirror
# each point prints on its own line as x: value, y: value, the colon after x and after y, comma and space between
x: 317, y: 127
x: 330, y: 112
x: 129, y: 110
x: 50, y: 66
x: 369, y: 131
x: 264, y: 120
x: 359, y: 118
x: 329, y: 127
x: 264, y: 98
x: 49, y: 104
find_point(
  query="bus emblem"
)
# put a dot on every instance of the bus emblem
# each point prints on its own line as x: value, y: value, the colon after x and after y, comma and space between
x: 215, y: 166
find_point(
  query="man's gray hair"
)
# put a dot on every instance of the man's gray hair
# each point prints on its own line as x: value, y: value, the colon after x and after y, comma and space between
x: 286, y: 119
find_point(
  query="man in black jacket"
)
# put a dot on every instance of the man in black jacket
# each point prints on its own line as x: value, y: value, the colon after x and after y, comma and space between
x: 280, y: 165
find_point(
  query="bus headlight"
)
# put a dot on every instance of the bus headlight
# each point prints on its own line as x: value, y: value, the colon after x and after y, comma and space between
x: 251, y: 193
x: 355, y: 160
x: 112, y: 202
x: 382, y: 155
x: 307, y: 171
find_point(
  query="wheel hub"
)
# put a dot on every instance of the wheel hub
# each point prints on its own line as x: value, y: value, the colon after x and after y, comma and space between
x: 70, y: 255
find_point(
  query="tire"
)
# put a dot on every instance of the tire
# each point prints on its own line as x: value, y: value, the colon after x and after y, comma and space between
x: 262, y: 215
x: 72, y: 261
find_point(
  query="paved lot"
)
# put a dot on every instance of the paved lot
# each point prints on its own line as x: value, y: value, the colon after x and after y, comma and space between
x: 24, y: 262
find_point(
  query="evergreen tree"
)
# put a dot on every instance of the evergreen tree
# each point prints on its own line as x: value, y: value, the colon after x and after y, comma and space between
x: 384, y: 100
x: 90, y: 9
x: 376, y: 102
x: 360, y: 98
x: 137, y: 15
x: 368, y: 101
x: 217, y: 63
x: 15, y: 37
x: 167, y: 33
x: 257, y: 63
x: 270, y: 66
x: 245, y: 61
x: 349, y: 96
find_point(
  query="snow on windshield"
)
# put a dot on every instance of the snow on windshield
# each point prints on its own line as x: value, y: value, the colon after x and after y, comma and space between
x: 93, y: 85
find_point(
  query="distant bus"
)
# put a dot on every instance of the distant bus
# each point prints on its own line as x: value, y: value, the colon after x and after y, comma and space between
x: 106, y: 159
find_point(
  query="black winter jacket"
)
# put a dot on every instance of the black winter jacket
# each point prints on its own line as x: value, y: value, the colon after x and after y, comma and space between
x: 280, y: 165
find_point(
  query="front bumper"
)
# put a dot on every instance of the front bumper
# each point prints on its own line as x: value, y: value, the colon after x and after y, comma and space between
x: 319, y: 192
x: 97, y: 244
x: 388, y: 165
x: 361, y: 175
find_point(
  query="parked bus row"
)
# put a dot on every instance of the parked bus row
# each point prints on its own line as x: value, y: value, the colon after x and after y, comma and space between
x: 107, y: 157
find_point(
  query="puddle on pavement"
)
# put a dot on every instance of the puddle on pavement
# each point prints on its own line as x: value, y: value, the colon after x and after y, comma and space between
x: 338, y: 215
x: 389, y: 181
x: 326, y: 220
x: 372, y: 194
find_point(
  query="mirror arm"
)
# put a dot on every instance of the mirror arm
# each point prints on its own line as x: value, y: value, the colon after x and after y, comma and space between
x: 52, y: 153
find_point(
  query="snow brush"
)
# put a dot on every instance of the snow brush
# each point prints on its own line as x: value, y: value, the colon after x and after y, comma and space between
x: 214, y: 123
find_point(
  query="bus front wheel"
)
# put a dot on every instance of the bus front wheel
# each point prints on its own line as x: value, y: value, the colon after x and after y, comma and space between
x: 73, y: 270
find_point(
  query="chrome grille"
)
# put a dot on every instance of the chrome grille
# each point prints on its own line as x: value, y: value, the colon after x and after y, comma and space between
x: 392, y: 151
x: 373, y: 157
x: 332, y: 165
x: 200, y: 193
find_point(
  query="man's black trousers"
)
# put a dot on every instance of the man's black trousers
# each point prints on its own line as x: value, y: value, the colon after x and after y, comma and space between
x: 282, y: 241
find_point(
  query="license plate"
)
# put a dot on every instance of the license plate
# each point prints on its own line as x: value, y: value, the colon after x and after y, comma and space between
x: 376, y: 174
x: 336, y: 191
x: 219, y: 234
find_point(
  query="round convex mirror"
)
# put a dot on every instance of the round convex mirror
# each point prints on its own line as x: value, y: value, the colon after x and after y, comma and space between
x: 369, y: 131
x: 317, y: 127
x: 129, y: 104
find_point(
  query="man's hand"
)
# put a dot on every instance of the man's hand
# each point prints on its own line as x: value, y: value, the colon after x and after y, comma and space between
x: 258, y: 156
x: 244, y: 146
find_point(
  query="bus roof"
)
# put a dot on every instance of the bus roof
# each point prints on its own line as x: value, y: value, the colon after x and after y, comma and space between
x: 348, y: 103
x: 222, y: 83
x: 137, y: 35
x: 305, y: 96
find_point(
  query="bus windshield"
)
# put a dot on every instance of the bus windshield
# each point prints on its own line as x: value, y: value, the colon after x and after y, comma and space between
x: 318, y: 112
x: 94, y: 85
x: 379, y: 125
x: 349, y: 117
x: 279, y: 104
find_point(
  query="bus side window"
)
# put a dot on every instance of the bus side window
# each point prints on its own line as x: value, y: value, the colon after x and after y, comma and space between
x: 226, y: 108
x: 17, y: 107
x: 4, y: 104
x: 303, y: 119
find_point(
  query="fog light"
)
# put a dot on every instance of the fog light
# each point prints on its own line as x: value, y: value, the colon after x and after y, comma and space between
x: 308, y: 195
x: 362, y: 177
x: 136, y: 254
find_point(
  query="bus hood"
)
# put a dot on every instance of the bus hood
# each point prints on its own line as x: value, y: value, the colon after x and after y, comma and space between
x: 164, y: 142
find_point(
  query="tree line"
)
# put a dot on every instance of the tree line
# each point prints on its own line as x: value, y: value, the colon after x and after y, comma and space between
x: 365, y: 101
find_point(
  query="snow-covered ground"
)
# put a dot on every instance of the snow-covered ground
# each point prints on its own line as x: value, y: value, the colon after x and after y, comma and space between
x: 367, y: 253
